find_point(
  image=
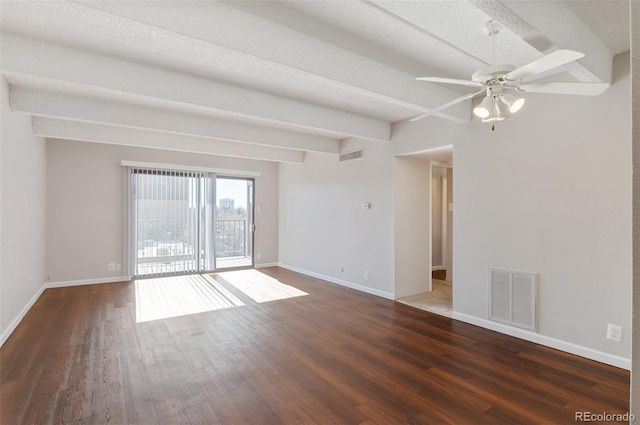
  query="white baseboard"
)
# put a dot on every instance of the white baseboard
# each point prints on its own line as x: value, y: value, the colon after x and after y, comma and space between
x: 81, y: 282
x: 340, y: 282
x: 434, y: 268
x: 568, y: 347
x: 16, y: 321
x: 263, y: 265
x: 14, y: 324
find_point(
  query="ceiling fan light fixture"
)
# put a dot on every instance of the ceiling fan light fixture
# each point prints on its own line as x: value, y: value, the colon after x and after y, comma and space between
x: 502, y: 110
x: 494, y: 79
x: 513, y: 103
x: 484, y: 109
x: 492, y: 117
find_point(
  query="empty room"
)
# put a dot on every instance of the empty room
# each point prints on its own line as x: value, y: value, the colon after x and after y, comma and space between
x: 319, y: 212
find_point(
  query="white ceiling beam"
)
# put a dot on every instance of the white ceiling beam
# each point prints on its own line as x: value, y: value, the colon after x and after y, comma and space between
x: 551, y: 25
x: 56, y: 105
x: 85, y: 71
x: 203, y: 40
x: 532, y: 29
x: 464, y: 34
x: 98, y: 133
x: 323, y: 64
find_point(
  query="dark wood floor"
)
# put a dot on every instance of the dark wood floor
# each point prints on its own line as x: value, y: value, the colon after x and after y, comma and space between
x: 334, y: 356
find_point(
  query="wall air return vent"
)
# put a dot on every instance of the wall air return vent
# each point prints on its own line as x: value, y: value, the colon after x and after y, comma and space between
x: 349, y: 156
x: 512, y: 298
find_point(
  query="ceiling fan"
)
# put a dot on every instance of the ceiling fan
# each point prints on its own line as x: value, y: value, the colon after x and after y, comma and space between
x: 494, y: 82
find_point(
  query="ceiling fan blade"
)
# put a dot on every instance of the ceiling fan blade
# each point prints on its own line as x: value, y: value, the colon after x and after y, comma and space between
x: 583, y: 89
x: 545, y: 63
x: 446, y: 105
x: 467, y: 83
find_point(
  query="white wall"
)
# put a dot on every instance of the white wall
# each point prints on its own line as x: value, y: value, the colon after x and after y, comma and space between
x: 635, y: 78
x: 86, y: 210
x: 412, y: 226
x: 449, y: 258
x: 22, y: 215
x: 437, y: 236
x: 322, y: 226
x: 549, y: 191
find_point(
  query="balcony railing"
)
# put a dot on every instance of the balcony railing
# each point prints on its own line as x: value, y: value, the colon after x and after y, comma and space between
x: 231, y: 238
x: 157, y: 256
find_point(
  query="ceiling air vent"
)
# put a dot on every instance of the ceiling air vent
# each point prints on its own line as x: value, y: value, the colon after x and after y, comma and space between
x: 352, y: 155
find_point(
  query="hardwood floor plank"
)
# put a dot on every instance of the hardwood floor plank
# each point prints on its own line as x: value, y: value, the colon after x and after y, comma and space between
x: 112, y: 409
x: 280, y: 399
x: 177, y: 418
x: 137, y: 391
x: 333, y: 356
x: 202, y: 414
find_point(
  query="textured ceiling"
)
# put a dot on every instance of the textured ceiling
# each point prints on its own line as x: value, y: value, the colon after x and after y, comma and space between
x: 608, y: 19
x: 322, y: 71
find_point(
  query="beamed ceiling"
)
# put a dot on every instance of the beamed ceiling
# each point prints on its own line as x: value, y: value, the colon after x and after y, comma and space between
x: 273, y: 80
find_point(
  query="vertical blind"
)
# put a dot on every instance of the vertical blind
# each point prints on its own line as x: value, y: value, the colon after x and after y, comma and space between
x: 177, y: 227
x: 168, y: 223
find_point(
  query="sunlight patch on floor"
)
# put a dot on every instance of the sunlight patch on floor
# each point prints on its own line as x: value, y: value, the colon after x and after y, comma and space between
x: 260, y: 287
x: 178, y: 296
x: 167, y: 297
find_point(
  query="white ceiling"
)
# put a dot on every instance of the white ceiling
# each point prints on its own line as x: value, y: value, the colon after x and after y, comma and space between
x: 442, y: 156
x: 275, y: 79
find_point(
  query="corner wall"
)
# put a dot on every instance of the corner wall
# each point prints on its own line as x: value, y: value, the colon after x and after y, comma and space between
x: 22, y: 215
x: 323, y: 229
x: 86, y: 217
x: 412, y: 225
x: 549, y: 192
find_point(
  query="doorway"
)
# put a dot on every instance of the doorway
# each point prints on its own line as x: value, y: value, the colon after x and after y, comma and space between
x: 189, y: 222
x: 438, y: 298
x: 438, y: 221
x: 234, y: 227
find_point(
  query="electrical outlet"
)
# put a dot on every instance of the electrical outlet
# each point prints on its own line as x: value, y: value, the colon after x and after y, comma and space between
x: 366, y: 275
x: 112, y: 266
x: 259, y: 256
x: 614, y: 333
x: 118, y: 267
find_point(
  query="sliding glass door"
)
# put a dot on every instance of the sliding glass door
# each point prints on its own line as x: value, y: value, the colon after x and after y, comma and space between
x: 189, y: 222
x: 234, y: 222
